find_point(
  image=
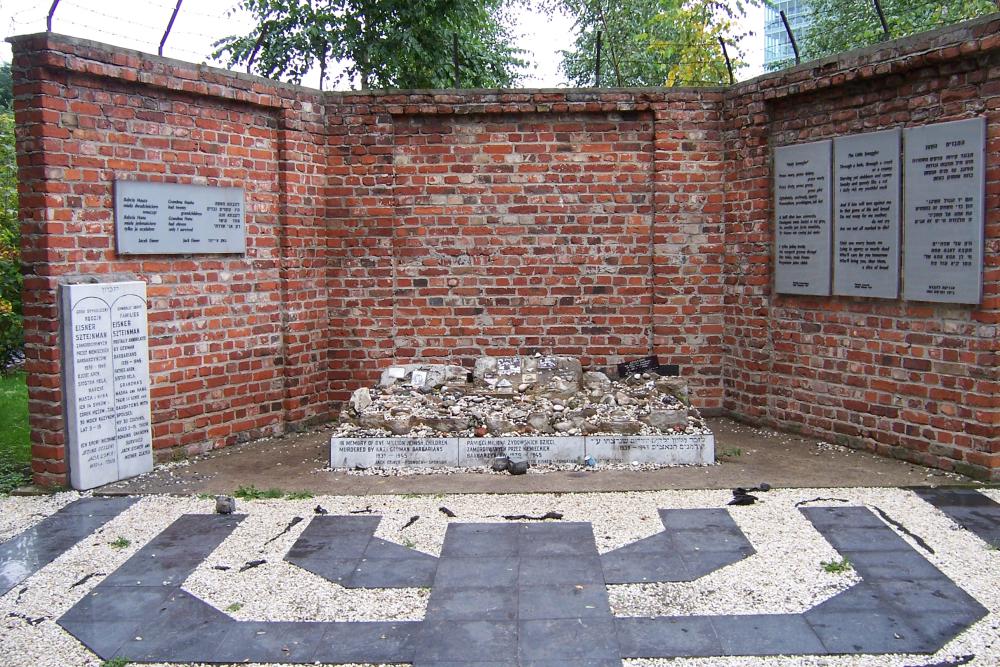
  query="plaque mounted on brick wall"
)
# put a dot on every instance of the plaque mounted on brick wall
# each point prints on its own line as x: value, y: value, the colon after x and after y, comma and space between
x: 802, y: 218
x: 175, y: 219
x: 943, y: 224
x: 106, y: 382
x: 866, y: 214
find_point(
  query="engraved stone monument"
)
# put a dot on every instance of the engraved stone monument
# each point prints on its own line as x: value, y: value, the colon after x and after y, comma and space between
x: 866, y: 215
x: 943, y: 228
x: 802, y: 218
x: 106, y: 382
x: 175, y: 219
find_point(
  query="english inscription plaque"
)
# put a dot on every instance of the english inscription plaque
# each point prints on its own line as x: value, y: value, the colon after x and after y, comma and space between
x: 943, y: 224
x: 106, y: 382
x: 802, y: 218
x: 866, y: 215
x: 393, y: 452
x: 174, y: 219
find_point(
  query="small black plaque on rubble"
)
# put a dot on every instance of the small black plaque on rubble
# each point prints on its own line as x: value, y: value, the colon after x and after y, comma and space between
x: 646, y: 364
x: 643, y: 365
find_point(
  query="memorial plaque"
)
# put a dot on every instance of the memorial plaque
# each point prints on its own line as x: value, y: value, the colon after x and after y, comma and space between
x: 943, y: 212
x: 802, y: 218
x: 106, y: 382
x: 393, y: 452
x: 174, y: 219
x: 540, y: 450
x: 866, y: 215
x: 665, y: 449
x: 643, y: 365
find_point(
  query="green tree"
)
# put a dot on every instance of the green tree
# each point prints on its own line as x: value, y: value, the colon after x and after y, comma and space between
x: 382, y: 44
x: 11, y: 330
x: 652, y: 42
x: 842, y: 25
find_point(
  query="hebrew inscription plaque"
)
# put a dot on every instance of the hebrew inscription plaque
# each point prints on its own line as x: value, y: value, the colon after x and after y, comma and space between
x: 943, y: 229
x: 802, y: 218
x: 866, y: 201
x: 106, y: 382
x: 174, y: 219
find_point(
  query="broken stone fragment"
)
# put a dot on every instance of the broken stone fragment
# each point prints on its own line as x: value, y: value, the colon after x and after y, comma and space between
x: 425, y: 377
x: 361, y: 399
x: 539, y: 422
x: 497, y: 425
x: 517, y: 467
x: 665, y: 419
x: 673, y: 386
x: 620, y: 426
x: 622, y: 398
x: 447, y: 424
x: 558, y: 388
x: 225, y: 505
x: 597, y: 381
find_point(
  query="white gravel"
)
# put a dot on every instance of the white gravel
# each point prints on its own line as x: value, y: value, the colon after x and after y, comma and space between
x: 785, y: 576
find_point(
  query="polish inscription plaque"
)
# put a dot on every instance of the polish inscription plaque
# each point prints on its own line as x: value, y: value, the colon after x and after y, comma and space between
x: 106, y: 382
x: 802, y: 218
x: 866, y: 215
x: 943, y: 224
x: 175, y: 219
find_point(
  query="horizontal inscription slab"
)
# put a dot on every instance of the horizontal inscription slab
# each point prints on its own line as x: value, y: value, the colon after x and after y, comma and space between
x: 665, y: 449
x: 539, y: 451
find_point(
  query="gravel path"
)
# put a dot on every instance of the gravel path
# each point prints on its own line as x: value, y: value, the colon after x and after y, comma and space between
x: 785, y: 575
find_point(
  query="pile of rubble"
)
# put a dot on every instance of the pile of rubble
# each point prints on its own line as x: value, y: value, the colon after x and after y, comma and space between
x: 518, y: 396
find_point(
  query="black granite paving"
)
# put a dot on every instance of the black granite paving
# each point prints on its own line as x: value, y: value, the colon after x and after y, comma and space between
x: 521, y: 595
x: 968, y: 508
x: 31, y: 550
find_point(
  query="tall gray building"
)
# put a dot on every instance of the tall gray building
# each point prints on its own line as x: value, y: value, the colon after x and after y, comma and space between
x: 777, y: 47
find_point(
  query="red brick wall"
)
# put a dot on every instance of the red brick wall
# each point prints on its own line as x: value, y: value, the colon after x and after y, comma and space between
x: 917, y: 381
x: 443, y: 225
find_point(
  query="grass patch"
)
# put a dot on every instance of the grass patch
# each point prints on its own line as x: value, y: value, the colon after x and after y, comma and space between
x: 836, y: 566
x: 251, y: 492
x: 121, y: 543
x: 236, y: 606
x: 115, y: 662
x: 15, y: 446
x: 730, y: 453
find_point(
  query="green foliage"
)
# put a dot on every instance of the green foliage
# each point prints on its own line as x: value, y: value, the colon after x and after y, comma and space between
x: 11, y: 322
x: 121, y: 543
x: 6, y: 88
x: 730, y: 453
x: 382, y: 44
x: 251, y: 492
x: 653, y: 42
x: 116, y: 662
x: 236, y: 606
x: 15, y: 446
x: 836, y: 566
x: 841, y: 25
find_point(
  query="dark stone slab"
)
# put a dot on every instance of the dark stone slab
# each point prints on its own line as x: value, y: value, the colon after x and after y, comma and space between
x: 112, y: 603
x: 876, y: 630
x: 968, y: 508
x: 486, y: 572
x: 667, y: 637
x: 567, y: 639
x: 562, y: 602
x: 481, y: 539
x: 624, y: 568
x: 102, y: 637
x: 766, y: 634
x: 29, y: 551
x: 466, y: 641
x: 158, y: 570
x: 183, y: 629
x: 473, y: 604
x: 551, y: 570
x: 368, y: 642
x: 413, y: 572
x: 558, y: 539
x: 896, y: 565
x: 252, y: 641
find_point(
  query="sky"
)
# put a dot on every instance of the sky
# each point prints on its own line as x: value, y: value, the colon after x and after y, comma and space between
x: 139, y: 24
